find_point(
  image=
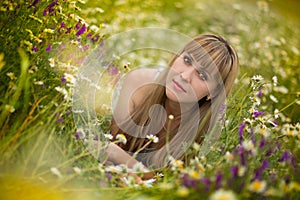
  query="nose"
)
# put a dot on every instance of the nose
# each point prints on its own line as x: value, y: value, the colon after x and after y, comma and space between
x: 187, y: 74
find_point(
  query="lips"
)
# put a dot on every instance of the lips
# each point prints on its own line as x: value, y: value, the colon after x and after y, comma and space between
x: 177, y: 86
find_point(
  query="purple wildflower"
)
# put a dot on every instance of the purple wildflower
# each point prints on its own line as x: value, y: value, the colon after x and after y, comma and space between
x: 222, y: 111
x: 96, y: 138
x: 222, y: 108
x: 79, y: 135
x: 95, y: 39
x: 259, y: 171
x: 285, y: 156
x: 68, y: 30
x: 49, y: 48
x: 81, y: 30
x: 275, y: 123
x: 259, y: 94
x: 257, y: 113
x: 68, y: 112
x: 113, y: 71
x: 241, y: 152
x: 269, y: 152
x: 49, y: 9
x: 287, y: 179
x: 278, y: 145
x: 234, y: 171
x: 86, y: 47
x: 63, y: 80
x: 294, y: 162
x: 102, y: 183
x: 188, y: 182
x: 34, y: 3
x: 241, y: 131
x: 262, y: 143
x: 78, y: 25
x: 62, y: 25
x: 265, y: 164
x: 253, y: 139
x: 206, y: 182
x: 59, y: 120
x: 218, y: 180
x: 101, y: 44
x: 35, y: 49
x: 108, y: 176
x: 89, y: 35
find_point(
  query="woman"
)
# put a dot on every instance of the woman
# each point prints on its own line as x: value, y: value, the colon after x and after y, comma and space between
x: 179, y: 105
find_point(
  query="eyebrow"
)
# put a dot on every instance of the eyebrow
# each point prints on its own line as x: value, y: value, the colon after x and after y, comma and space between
x: 198, y: 67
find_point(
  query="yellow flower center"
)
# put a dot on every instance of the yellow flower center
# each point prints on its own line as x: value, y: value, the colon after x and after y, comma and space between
x: 257, y: 185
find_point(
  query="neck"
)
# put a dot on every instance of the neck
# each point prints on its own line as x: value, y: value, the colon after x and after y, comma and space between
x: 175, y: 108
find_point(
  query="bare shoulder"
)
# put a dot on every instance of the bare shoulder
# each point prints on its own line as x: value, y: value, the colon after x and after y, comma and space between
x: 141, y: 76
x: 138, y: 83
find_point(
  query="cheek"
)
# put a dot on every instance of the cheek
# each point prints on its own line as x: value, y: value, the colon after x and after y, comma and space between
x: 201, y: 90
x: 177, y: 65
x: 171, y: 74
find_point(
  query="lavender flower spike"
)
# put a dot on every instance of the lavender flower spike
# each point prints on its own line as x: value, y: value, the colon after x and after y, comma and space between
x: 241, y: 131
x: 81, y: 30
x: 257, y: 113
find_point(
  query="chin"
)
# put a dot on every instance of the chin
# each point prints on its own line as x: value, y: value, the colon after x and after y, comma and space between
x: 171, y: 96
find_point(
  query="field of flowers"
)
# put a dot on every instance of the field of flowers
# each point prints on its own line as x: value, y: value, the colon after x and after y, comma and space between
x: 43, y: 44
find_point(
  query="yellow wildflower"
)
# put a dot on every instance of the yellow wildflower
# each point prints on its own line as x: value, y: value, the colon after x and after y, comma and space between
x: 222, y: 194
x: 201, y: 167
x: 36, y: 19
x: 29, y: 31
x: 258, y: 186
x: 182, y: 192
x: 77, y: 170
x: 295, y: 186
x: 176, y: 164
x: 194, y: 174
x: 121, y: 138
x: 11, y: 75
x: 241, y: 171
x: 70, y: 78
x: 12, y: 85
x: 29, y: 44
x: 263, y: 5
x: 229, y: 157
x: 48, y: 30
x: 37, y: 39
x: 9, y: 108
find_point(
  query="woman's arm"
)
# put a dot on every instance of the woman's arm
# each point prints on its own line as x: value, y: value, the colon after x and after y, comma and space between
x: 116, y: 155
x: 131, y: 94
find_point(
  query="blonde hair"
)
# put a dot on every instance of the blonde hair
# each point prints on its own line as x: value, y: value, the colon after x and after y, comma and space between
x: 207, y: 50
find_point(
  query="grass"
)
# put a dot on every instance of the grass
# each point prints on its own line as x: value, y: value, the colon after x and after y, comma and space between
x: 42, y: 48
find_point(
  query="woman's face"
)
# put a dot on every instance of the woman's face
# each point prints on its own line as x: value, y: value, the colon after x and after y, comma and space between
x: 187, y: 82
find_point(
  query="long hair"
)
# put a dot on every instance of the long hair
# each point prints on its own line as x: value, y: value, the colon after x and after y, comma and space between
x: 207, y: 50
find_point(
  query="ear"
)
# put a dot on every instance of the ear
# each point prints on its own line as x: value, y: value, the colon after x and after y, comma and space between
x: 214, y: 92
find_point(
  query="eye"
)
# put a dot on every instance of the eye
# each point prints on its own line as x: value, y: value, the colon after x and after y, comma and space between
x: 203, y: 76
x: 187, y: 60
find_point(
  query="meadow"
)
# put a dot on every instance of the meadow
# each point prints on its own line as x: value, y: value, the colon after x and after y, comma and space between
x: 42, y: 150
